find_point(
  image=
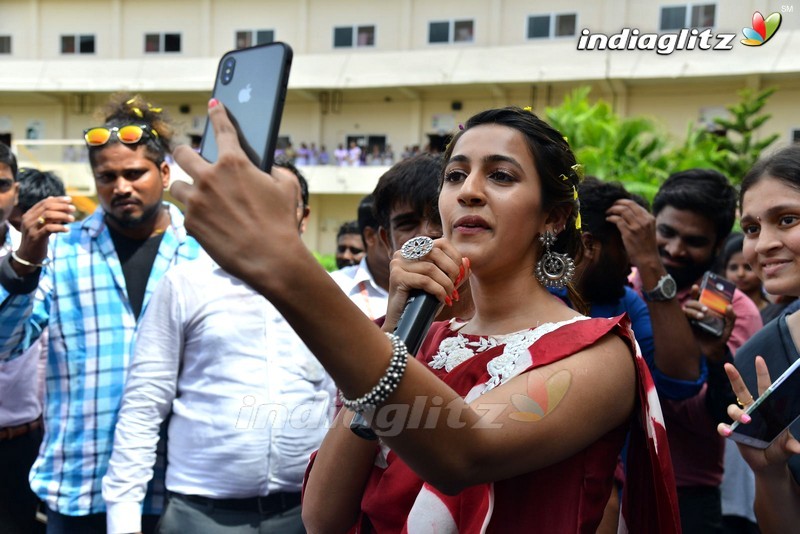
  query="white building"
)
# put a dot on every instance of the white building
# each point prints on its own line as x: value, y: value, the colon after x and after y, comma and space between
x: 397, y: 72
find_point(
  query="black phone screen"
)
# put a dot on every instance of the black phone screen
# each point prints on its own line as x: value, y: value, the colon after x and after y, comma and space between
x: 772, y: 413
x: 251, y: 83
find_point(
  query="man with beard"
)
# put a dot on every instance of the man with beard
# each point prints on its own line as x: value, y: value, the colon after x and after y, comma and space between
x: 89, y: 282
x: 693, y: 212
x: 349, y: 245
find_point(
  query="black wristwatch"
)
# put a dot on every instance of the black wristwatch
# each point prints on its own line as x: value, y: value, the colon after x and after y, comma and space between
x: 665, y: 289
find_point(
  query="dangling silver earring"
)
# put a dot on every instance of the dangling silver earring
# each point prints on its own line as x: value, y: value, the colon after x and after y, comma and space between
x: 553, y: 269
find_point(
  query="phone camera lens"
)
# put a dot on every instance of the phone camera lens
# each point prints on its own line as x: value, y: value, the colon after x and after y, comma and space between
x: 227, y: 70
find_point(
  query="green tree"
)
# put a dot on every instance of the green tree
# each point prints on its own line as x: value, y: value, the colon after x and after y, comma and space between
x: 637, y: 151
x: 632, y: 151
x: 737, y: 147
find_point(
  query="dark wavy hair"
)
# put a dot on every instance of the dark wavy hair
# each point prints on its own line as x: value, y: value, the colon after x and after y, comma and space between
x: 123, y: 109
x: 8, y: 157
x: 705, y: 192
x: 36, y: 185
x: 783, y: 165
x: 554, y: 162
x: 413, y: 181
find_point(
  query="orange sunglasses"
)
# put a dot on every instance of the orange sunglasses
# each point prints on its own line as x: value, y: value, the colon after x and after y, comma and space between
x: 130, y: 134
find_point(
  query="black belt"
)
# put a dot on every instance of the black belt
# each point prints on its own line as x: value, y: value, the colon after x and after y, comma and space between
x: 274, y: 503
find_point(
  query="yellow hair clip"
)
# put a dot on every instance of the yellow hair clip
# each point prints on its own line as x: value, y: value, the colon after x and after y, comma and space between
x: 131, y: 101
x: 529, y: 109
x: 578, y: 216
x: 138, y: 112
x: 579, y: 171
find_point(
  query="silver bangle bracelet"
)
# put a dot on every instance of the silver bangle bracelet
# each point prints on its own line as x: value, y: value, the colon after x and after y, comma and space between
x: 388, y: 382
x: 27, y: 263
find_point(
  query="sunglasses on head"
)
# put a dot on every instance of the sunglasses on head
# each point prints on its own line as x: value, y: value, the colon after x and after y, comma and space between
x: 130, y: 134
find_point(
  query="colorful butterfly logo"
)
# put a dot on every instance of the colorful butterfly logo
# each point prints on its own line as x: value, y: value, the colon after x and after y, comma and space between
x: 542, y: 397
x: 762, y: 30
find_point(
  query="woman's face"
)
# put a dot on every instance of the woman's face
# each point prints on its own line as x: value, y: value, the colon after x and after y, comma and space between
x: 491, y: 202
x: 771, y: 225
x: 739, y: 272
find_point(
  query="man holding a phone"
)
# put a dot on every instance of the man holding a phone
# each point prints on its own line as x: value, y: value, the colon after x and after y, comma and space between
x: 693, y: 213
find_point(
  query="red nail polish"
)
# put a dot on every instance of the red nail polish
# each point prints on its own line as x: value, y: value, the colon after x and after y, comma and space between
x: 455, y: 296
x: 448, y: 301
x: 213, y: 103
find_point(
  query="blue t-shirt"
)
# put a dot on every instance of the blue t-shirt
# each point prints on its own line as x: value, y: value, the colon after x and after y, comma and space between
x: 636, y: 308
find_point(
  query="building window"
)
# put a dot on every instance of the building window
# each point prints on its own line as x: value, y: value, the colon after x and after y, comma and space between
x: 5, y: 44
x: 688, y: 16
x: 254, y: 37
x: 451, y: 31
x: 796, y: 135
x: 547, y: 26
x: 343, y: 36
x: 77, y: 44
x: 162, y: 42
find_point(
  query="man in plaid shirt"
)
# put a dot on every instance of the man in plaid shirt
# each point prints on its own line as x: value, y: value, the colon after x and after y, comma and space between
x: 89, y: 282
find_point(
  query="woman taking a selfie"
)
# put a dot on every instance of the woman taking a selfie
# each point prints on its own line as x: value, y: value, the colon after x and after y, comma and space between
x: 511, y: 421
x: 770, y: 205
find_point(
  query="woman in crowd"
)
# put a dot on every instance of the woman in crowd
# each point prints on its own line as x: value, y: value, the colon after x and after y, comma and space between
x: 770, y: 206
x: 735, y: 268
x: 511, y: 421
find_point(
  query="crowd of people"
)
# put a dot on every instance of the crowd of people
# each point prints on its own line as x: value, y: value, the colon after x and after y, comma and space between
x: 351, y: 155
x: 168, y: 371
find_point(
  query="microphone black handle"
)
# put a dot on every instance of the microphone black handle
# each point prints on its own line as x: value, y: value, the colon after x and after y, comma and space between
x: 412, y: 327
x: 416, y: 320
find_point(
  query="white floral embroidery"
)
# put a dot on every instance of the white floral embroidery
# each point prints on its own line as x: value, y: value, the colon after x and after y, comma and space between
x: 457, y: 349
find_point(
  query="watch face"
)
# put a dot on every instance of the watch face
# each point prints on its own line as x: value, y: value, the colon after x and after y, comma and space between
x: 668, y: 287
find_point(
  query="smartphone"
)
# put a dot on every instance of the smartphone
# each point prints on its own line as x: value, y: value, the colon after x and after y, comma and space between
x: 774, y: 411
x: 251, y: 83
x: 716, y: 293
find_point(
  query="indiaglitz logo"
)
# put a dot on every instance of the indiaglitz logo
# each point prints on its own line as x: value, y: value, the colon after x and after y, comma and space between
x: 662, y: 43
x: 684, y: 39
x: 762, y: 30
x: 542, y: 397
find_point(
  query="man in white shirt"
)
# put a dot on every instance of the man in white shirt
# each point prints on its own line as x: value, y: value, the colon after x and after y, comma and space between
x: 367, y: 282
x: 249, y: 405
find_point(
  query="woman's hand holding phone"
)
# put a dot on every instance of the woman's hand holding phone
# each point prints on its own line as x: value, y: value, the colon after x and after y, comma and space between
x: 244, y: 218
x: 771, y: 460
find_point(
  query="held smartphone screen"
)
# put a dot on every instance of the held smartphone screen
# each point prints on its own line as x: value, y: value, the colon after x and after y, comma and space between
x: 716, y: 293
x: 772, y: 412
x: 251, y: 83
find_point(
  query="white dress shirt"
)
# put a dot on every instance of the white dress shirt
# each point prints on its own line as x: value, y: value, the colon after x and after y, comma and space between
x: 21, y: 379
x: 357, y: 283
x: 250, y: 403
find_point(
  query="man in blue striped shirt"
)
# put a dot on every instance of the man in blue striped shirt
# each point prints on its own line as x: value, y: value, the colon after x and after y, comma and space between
x: 89, y: 282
